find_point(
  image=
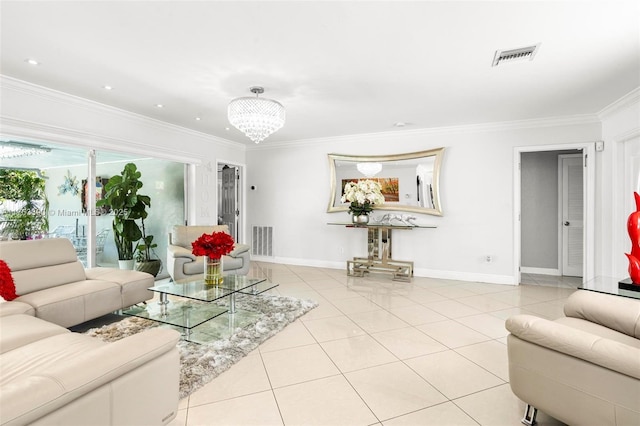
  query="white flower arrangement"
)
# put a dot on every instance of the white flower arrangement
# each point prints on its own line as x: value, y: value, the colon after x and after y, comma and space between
x: 362, y: 195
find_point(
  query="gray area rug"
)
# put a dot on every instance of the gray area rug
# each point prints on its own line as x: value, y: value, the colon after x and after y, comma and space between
x: 201, y: 363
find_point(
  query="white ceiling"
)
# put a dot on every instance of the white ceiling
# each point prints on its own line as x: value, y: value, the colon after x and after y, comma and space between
x: 339, y: 67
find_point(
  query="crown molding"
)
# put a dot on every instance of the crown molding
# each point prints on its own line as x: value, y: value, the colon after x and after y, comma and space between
x: 469, y: 128
x: 21, y: 129
x: 10, y: 83
x: 624, y: 102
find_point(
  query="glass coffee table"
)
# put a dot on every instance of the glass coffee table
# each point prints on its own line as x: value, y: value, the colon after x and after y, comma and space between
x: 610, y: 285
x: 194, y: 312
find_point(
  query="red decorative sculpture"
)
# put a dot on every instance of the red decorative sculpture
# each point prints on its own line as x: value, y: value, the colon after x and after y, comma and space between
x: 633, y: 227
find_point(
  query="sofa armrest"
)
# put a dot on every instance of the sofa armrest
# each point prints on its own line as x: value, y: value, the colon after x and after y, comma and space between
x: 80, y: 375
x: 238, y: 249
x: 179, y: 251
x: 597, y: 350
x: 617, y: 313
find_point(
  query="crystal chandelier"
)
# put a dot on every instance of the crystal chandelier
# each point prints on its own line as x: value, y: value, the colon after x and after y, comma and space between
x: 13, y: 149
x: 369, y: 169
x: 256, y: 117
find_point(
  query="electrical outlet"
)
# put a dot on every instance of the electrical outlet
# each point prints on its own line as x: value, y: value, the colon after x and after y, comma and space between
x: 341, y: 250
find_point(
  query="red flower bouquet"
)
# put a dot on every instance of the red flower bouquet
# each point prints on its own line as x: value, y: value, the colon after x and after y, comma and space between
x: 213, y: 245
x: 7, y: 286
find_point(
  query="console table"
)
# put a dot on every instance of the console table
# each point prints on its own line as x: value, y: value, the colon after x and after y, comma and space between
x: 379, y: 245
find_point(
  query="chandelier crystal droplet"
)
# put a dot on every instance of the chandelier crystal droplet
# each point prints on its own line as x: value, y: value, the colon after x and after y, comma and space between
x: 256, y: 117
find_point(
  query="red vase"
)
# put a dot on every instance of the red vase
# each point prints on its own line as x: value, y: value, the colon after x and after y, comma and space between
x: 633, y: 228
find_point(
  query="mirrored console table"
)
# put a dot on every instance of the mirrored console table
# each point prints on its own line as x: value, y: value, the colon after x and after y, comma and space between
x: 379, y: 249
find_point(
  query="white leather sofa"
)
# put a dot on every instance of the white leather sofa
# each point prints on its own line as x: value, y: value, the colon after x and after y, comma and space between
x: 51, y: 280
x: 181, y: 263
x: 51, y: 376
x: 582, y: 369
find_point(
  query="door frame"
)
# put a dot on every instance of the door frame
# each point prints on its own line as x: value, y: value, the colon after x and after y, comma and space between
x: 242, y: 199
x: 561, y: 196
x: 588, y: 263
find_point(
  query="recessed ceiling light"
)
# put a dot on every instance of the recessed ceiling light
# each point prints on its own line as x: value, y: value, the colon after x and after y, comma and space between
x: 399, y: 124
x: 227, y: 128
x: 32, y: 61
x: 107, y: 87
x: 159, y: 106
x: 198, y: 118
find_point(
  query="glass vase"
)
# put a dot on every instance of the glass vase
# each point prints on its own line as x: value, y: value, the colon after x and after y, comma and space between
x: 212, y: 271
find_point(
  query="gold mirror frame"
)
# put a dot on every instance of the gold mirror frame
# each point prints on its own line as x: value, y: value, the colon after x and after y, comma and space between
x: 412, y: 158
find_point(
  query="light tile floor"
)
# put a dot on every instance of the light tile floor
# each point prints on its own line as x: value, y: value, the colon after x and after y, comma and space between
x: 378, y: 352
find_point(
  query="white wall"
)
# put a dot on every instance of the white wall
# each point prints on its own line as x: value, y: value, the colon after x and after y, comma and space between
x: 620, y: 133
x: 293, y: 179
x: 476, y: 191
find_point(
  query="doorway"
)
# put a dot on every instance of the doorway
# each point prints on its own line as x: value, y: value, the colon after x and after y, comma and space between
x: 553, y: 214
x: 230, y: 198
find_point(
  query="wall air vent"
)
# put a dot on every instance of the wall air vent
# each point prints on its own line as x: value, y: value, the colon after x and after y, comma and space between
x: 262, y: 241
x: 515, y: 55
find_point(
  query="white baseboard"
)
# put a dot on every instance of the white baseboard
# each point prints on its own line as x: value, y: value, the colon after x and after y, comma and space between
x: 540, y: 271
x: 466, y: 276
x: 300, y: 262
x: 419, y: 272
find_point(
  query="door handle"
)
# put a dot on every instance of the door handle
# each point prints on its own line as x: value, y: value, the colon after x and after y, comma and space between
x: 567, y: 223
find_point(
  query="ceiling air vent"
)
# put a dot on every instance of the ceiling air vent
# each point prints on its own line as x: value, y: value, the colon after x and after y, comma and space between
x: 515, y: 55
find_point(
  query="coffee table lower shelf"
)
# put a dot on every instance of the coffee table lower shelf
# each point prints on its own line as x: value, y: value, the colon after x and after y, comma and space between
x: 200, y: 321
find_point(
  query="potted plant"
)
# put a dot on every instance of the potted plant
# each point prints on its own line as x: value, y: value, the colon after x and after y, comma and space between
x: 127, y: 206
x: 144, y: 249
x: 25, y: 208
x: 362, y: 196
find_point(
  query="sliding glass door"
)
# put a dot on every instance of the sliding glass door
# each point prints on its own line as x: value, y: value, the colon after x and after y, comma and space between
x: 71, y: 213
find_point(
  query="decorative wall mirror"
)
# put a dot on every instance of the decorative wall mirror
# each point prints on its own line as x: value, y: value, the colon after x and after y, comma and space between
x: 409, y: 181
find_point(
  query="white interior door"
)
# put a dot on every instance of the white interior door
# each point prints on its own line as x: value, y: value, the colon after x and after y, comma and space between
x: 572, y: 214
x: 229, y: 207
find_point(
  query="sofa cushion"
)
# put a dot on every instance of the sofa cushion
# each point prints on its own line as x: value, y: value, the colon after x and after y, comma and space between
x: 134, y: 285
x: 21, y: 255
x: 33, y: 280
x: 21, y: 330
x: 39, y: 264
x: 76, y: 302
x: 599, y: 330
x: 615, y: 312
x: 16, y: 308
x: 40, y: 356
x: 184, y: 235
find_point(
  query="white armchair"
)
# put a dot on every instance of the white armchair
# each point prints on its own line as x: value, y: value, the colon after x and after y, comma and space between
x: 181, y: 263
x: 582, y: 369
